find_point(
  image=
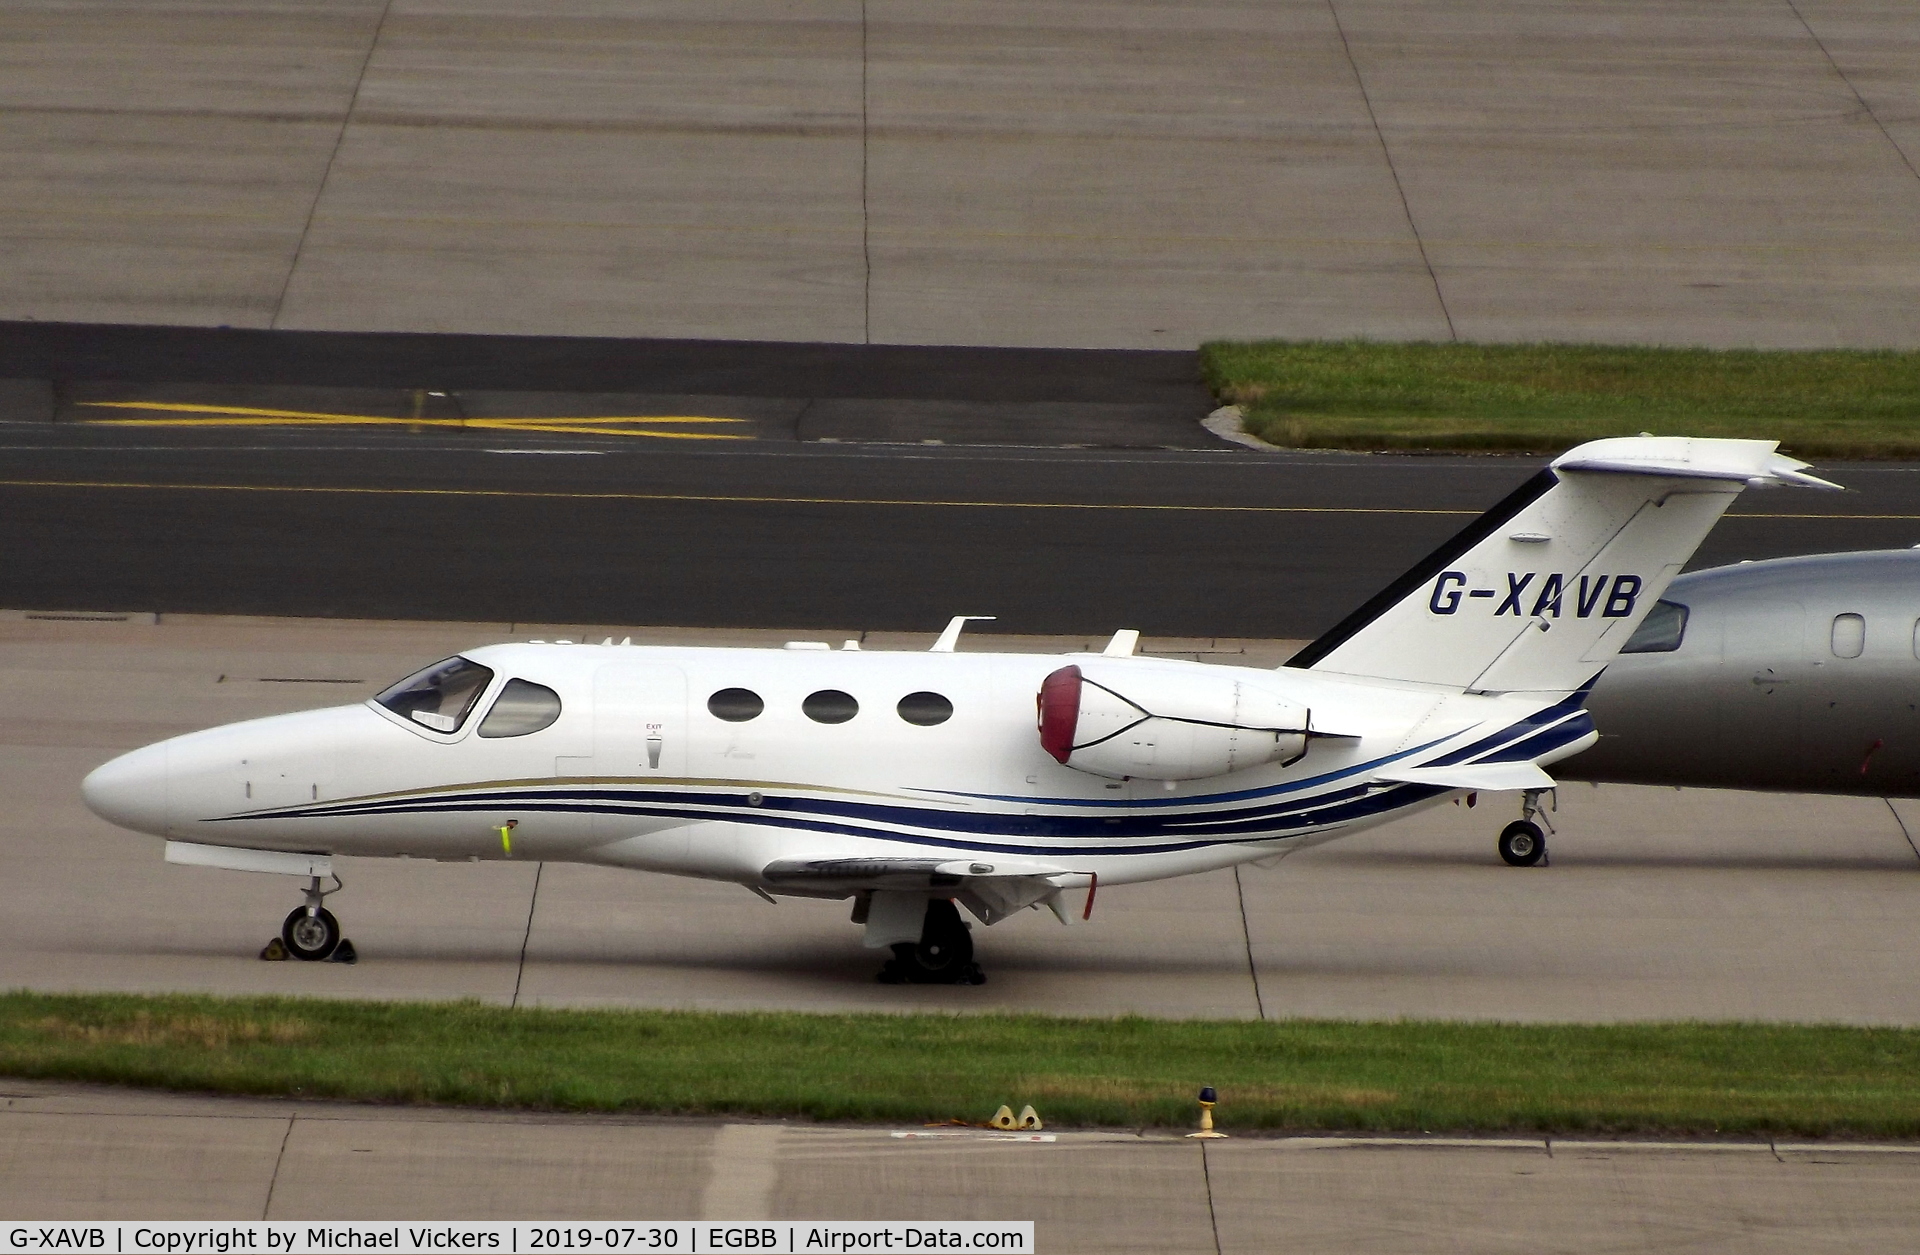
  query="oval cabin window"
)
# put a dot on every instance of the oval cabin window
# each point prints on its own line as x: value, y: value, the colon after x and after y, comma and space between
x: 735, y: 705
x: 925, y: 709
x: 830, y: 706
x: 1849, y: 635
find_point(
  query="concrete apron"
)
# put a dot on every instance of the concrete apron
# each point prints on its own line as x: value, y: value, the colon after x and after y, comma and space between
x: 76, y: 1153
x: 1657, y: 904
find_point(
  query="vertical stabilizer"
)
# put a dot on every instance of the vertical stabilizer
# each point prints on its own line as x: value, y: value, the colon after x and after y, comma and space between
x: 1541, y: 591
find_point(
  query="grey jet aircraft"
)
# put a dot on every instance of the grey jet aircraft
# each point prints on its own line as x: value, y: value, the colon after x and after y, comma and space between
x: 1795, y: 674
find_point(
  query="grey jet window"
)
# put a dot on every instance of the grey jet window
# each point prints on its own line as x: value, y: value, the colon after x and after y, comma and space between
x: 1660, y: 632
x: 441, y: 697
x: 521, y: 708
x: 1849, y: 635
x: 735, y: 705
x: 830, y: 706
x: 925, y: 709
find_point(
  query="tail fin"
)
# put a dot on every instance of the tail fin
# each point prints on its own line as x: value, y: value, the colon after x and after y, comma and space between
x: 1542, y: 590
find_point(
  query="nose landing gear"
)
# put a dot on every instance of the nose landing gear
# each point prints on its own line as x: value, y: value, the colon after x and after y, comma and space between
x: 311, y: 933
x: 1522, y: 843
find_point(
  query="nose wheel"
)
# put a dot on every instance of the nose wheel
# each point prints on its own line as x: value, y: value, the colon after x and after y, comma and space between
x: 310, y: 933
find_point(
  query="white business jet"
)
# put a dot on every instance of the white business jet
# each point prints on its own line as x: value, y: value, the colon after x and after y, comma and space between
x: 910, y: 782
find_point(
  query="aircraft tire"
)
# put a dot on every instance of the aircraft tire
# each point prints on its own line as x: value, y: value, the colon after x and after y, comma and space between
x: 942, y: 956
x: 310, y: 938
x: 1522, y: 844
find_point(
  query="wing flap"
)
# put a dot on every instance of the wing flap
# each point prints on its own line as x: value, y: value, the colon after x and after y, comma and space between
x: 991, y: 888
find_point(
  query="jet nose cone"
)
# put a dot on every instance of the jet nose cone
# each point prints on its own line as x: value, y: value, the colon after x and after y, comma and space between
x: 131, y: 790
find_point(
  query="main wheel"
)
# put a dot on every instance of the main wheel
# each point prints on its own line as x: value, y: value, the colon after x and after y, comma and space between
x: 310, y: 937
x: 942, y: 956
x: 1522, y: 843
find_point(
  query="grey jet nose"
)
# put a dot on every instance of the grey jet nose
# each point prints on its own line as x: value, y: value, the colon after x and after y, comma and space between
x: 131, y: 790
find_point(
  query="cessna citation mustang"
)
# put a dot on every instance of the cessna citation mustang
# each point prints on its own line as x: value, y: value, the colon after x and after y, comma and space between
x: 910, y: 782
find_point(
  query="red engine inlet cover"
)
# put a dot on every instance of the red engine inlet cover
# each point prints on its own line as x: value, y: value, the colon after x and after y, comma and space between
x: 1059, y: 702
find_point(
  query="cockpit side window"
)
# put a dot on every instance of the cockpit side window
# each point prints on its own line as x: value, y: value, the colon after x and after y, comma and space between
x: 522, y: 707
x: 441, y: 697
x: 1661, y: 632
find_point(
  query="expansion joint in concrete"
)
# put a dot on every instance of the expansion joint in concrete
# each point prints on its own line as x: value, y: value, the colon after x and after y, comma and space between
x: 866, y: 250
x: 266, y: 1208
x: 1866, y: 108
x: 1406, y: 208
x: 533, y: 902
x: 1213, y: 1215
x: 1903, y: 826
x: 1246, y: 935
x: 326, y: 174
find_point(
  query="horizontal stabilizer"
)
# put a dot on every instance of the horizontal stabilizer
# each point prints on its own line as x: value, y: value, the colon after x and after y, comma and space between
x: 1485, y: 777
x: 1751, y: 462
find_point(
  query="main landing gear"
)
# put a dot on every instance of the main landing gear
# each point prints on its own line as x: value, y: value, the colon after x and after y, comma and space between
x: 1522, y: 842
x: 311, y: 933
x: 942, y: 956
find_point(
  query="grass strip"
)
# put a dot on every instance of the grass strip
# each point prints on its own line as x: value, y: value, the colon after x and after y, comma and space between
x: 1685, y: 1078
x: 1545, y: 398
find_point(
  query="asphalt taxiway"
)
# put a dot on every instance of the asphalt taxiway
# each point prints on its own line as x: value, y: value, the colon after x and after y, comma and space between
x: 505, y: 523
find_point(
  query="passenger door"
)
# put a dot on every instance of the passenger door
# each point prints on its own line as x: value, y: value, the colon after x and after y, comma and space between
x: 640, y: 721
x: 639, y: 737
x: 1765, y: 672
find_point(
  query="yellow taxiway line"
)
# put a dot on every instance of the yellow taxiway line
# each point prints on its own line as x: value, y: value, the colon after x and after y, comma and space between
x: 727, y: 499
x: 249, y: 416
x: 710, y: 498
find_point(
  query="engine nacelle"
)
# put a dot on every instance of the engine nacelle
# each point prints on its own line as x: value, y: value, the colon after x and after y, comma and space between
x: 1120, y: 721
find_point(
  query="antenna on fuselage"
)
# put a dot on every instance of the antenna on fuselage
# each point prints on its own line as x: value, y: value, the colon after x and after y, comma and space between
x: 956, y: 625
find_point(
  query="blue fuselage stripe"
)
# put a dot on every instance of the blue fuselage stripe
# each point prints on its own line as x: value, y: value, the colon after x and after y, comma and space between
x: 1147, y: 825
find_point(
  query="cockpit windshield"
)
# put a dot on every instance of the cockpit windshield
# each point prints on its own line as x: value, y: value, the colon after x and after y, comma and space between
x: 440, y: 697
